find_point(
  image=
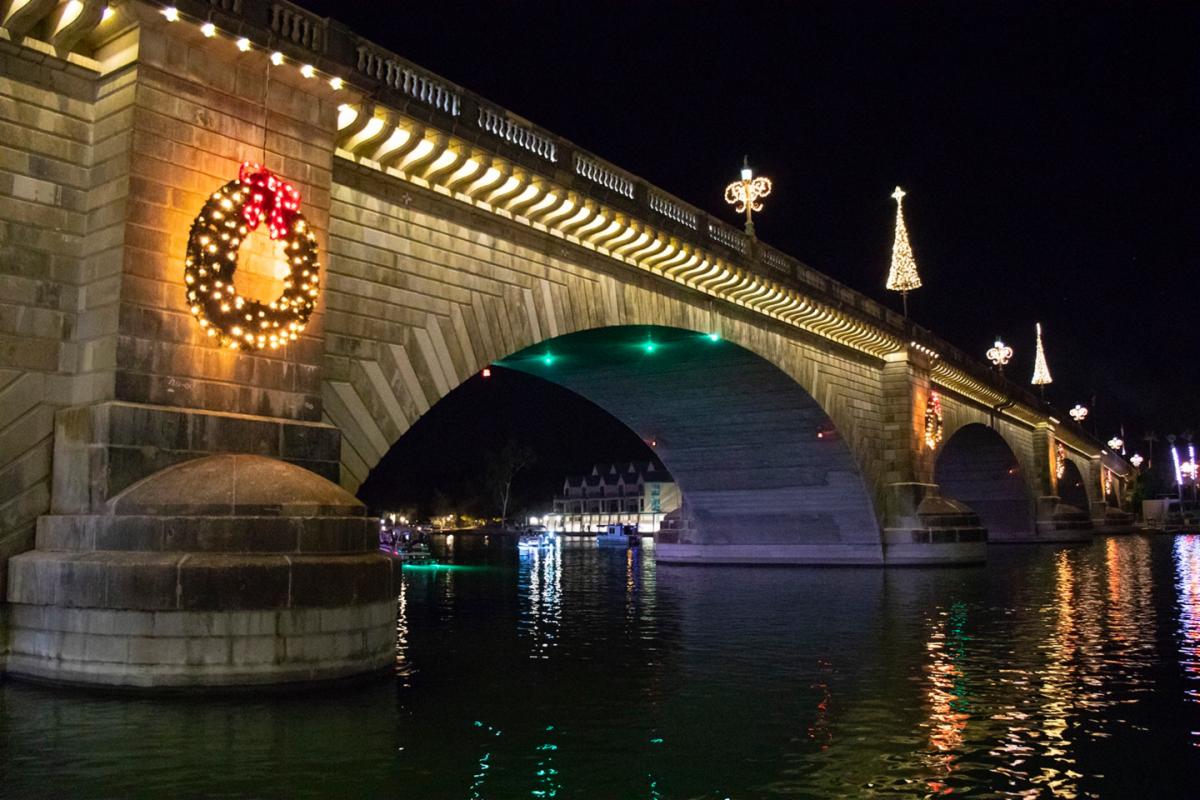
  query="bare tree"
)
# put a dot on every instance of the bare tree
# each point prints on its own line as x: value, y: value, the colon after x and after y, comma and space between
x: 503, y: 470
x: 1150, y: 437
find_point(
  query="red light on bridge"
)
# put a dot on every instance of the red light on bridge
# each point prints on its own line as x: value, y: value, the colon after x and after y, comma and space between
x: 826, y: 431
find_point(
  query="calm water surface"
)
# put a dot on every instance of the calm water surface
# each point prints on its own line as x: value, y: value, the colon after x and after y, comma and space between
x: 1052, y: 672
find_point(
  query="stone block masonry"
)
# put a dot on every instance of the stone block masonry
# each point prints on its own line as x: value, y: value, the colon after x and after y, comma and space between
x: 47, y: 201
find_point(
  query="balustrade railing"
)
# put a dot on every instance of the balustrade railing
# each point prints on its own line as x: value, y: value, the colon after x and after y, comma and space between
x: 408, y: 80
x: 603, y: 175
x: 672, y: 210
x: 499, y: 124
x: 728, y: 237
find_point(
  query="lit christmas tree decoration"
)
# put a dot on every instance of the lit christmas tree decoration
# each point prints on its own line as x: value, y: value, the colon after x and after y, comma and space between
x: 230, y: 215
x: 1041, y: 372
x: 902, y: 277
x: 933, y: 421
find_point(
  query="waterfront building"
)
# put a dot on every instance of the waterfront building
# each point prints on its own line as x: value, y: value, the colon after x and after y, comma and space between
x: 634, y: 493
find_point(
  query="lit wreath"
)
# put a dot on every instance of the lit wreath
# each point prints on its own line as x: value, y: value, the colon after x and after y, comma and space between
x: 933, y: 421
x: 228, y: 217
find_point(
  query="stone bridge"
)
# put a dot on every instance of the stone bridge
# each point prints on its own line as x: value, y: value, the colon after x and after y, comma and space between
x: 160, y: 520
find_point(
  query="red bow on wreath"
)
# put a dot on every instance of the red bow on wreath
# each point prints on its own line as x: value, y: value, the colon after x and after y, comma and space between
x: 271, y: 197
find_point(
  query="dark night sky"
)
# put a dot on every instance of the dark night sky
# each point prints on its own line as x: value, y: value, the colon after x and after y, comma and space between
x: 1047, y: 148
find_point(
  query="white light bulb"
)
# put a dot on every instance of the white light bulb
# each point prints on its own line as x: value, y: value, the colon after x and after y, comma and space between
x: 336, y: 83
x: 277, y: 58
x: 208, y: 29
x: 307, y: 71
x: 243, y: 44
x: 171, y: 13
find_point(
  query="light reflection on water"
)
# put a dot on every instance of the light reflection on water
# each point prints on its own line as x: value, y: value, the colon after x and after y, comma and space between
x: 577, y: 672
x: 1187, y: 585
x: 539, y: 584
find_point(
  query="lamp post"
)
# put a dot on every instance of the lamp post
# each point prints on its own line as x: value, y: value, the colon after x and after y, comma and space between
x: 1000, y: 354
x: 1116, y: 443
x: 1136, y: 460
x: 1078, y: 413
x: 744, y: 195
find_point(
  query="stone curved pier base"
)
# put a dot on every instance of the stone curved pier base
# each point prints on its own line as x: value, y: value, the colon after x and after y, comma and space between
x: 224, y: 571
x: 925, y: 529
x: 1061, y: 523
x: 1107, y: 520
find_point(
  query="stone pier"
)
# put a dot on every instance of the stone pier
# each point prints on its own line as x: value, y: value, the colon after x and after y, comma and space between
x: 228, y: 570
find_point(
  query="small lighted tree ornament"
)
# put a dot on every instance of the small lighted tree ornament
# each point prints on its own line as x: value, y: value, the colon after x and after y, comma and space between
x: 744, y: 195
x: 1078, y: 413
x: 902, y: 277
x: 1136, y: 460
x: 1041, y: 372
x: 1000, y: 354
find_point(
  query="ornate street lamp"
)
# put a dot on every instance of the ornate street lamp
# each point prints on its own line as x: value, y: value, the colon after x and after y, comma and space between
x: 743, y: 195
x: 1136, y: 460
x: 1116, y: 443
x: 1000, y: 355
x: 1078, y: 413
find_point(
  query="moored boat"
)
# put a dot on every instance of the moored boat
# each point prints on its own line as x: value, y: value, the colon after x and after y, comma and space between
x: 619, y: 535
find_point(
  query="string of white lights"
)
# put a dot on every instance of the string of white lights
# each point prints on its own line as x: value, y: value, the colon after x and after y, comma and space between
x: 209, y: 29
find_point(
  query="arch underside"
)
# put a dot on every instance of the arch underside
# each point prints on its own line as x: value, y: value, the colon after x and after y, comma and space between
x: 977, y: 467
x: 1072, y: 487
x: 739, y: 436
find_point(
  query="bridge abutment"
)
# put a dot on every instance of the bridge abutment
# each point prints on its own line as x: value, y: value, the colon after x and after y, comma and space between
x: 1059, y: 518
x: 223, y: 571
x: 919, y: 524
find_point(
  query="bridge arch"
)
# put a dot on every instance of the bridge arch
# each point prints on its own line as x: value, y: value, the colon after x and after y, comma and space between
x: 1073, y: 488
x: 764, y: 472
x: 977, y: 466
x: 420, y: 296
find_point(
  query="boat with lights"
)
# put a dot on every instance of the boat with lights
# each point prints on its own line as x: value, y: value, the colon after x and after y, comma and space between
x: 535, y: 538
x: 619, y: 535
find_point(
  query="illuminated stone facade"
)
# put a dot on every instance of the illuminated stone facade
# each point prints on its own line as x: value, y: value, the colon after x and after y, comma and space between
x: 452, y: 234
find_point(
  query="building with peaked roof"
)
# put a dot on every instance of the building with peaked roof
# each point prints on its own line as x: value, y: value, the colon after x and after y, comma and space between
x: 635, y: 492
